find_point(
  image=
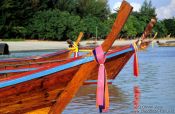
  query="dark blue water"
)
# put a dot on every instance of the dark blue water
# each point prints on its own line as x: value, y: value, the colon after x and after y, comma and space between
x: 153, y: 92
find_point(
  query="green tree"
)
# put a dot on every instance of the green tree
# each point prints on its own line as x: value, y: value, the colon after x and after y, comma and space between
x: 35, y: 18
x: 49, y: 24
x: 74, y: 26
x: 5, y: 7
x: 97, y: 8
x: 91, y: 23
x: 104, y: 28
x: 130, y: 27
x: 55, y: 25
x: 64, y: 5
x: 170, y: 26
x: 141, y: 22
x: 15, y: 16
x: 161, y: 29
x: 148, y: 10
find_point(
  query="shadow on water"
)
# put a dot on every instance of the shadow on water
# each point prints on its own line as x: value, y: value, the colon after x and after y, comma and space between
x: 85, y: 101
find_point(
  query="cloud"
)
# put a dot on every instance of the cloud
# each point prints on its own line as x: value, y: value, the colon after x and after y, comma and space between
x: 165, y: 12
x: 115, y: 6
x: 136, y: 6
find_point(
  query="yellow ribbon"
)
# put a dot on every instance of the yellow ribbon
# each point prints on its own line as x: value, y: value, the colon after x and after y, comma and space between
x: 74, y: 48
x: 135, y: 46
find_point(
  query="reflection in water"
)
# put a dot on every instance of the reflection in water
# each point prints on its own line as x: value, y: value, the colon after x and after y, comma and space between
x: 85, y: 100
x: 136, y: 101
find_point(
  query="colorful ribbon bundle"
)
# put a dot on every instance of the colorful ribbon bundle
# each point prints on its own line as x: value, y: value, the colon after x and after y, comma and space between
x: 102, y: 97
x: 74, y: 49
x: 136, y: 64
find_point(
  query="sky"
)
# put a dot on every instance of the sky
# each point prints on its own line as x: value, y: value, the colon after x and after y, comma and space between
x: 164, y: 8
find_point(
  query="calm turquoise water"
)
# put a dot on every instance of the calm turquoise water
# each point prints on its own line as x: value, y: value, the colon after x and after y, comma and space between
x: 153, y: 92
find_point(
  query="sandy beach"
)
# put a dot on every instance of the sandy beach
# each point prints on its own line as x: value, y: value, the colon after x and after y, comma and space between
x: 49, y: 45
x: 30, y: 45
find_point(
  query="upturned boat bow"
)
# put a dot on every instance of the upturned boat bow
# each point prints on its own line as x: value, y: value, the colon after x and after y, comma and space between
x: 54, y: 85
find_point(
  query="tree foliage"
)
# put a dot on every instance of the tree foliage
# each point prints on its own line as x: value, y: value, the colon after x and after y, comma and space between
x: 170, y: 26
x: 97, y: 8
x: 47, y: 24
x: 55, y: 25
x: 147, y: 10
x: 63, y: 19
x: 51, y: 19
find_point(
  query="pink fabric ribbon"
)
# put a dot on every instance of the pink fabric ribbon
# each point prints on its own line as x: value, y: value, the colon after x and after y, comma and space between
x: 102, y: 98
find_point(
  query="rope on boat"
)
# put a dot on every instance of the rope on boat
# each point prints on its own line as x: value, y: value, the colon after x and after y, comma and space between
x: 83, y: 50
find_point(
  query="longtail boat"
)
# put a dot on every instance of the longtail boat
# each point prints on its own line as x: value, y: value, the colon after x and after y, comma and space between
x: 11, y: 70
x: 142, y: 44
x: 46, y: 57
x: 166, y: 44
x: 55, y: 85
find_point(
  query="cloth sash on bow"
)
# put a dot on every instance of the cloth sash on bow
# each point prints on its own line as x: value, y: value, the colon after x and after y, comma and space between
x: 102, y: 97
x: 136, y: 64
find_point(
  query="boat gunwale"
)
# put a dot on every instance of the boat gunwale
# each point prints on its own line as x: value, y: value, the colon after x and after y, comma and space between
x: 6, y: 70
x: 45, y: 72
x: 34, y: 57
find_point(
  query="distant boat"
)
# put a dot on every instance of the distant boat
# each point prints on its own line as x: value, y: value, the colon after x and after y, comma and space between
x: 166, y: 44
x: 4, y: 49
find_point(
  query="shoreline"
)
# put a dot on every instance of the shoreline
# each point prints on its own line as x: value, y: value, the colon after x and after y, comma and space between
x: 35, y: 45
x: 20, y: 46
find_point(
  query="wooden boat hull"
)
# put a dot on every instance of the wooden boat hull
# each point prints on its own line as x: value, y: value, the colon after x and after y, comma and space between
x: 41, y: 91
x: 63, y: 54
x: 59, y: 55
x: 23, y: 66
